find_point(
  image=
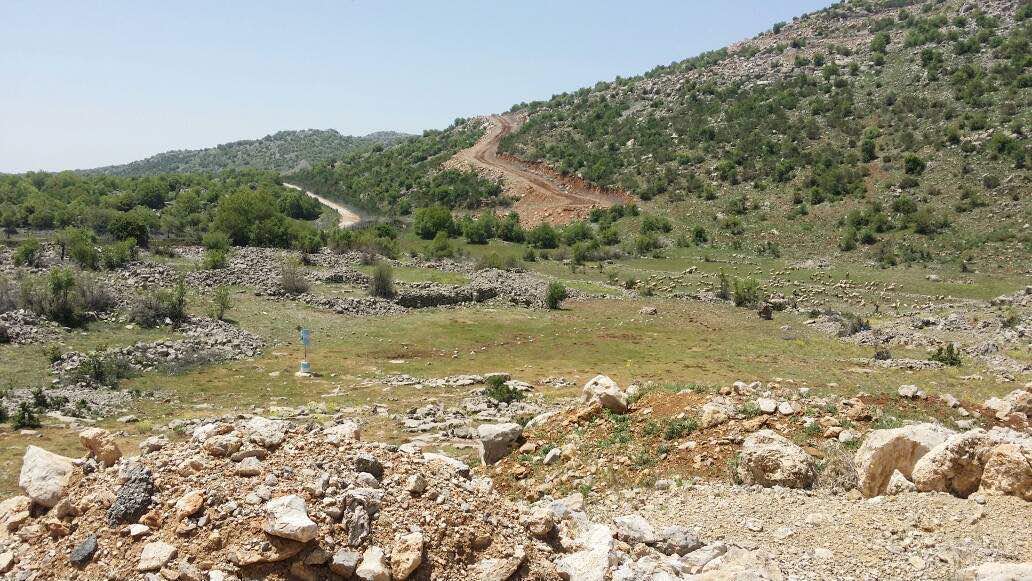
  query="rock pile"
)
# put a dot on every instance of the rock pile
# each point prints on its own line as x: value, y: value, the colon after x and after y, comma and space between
x: 261, y: 498
x: 24, y: 328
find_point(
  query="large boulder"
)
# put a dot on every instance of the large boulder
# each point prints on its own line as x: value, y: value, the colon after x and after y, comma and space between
x: 955, y: 465
x: 407, y: 555
x: 101, y: 445
x: 495, y: 441
x: 590, y: 552
x: 1020, y: 401
x: 265, y: 432
x: 606, y: 393
x: 770, y: 459
x: 287, y: 517
x: 1008, y: 470
x: 885, y: 451
x: 44, y: 476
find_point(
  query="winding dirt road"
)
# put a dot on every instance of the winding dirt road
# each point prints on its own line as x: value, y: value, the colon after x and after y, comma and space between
x: 543, y: 195
x: 348, y: 218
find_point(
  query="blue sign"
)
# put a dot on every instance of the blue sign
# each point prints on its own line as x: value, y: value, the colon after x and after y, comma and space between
x: 306, y: 337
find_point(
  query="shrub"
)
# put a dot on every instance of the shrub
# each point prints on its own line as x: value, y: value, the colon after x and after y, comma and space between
x: 84, y: 253
x: 678, y: 428
x: 216, y: 240
x: 500, y: 392
x: 429, y: 222
x: 163, y: 248
x: 381, y: 284
x: 543, y: 236
x: 440, y: 246
x: 29, y: 253
x: 292, y: 278
x: 214, y: 259
x: 724, y: 287
x: 153, y: 309
x: 914, y: 165
x: 851, y: 324
x: 948, y: 355
x: 221, y: 301
x: 497, y: 261
x: 64, y: 296
x: 746, y: 292
x: 474, y: 231
x: 555, y: 295
x: 119, y: 254
x: 25, y: 417
x: 882, y: 354
x: 98, y: 370
x: 5, y: 335
x: 8, y: 295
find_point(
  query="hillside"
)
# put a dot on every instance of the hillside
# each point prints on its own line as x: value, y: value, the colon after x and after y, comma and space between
x: 896, y: 126
x: 889, y: 131
x: 284, y: 151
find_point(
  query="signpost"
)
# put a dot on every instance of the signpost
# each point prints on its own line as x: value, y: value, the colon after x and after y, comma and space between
x: 306, y: 340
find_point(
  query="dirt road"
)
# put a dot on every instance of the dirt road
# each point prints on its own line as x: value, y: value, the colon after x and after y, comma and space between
x: 348, y: 218
x: 543, y: 195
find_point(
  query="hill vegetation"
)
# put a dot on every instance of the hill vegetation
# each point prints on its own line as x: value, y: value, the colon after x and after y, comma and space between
x: 283, y: 152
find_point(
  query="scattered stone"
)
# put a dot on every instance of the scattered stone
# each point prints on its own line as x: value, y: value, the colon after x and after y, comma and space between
x: 496, y: 441
x: 287, y: 517
x: 885, y: 451
x: 101, y: 445
x: 44, y: 476
x: 769, y: 459
x: 83, y: 552
x: 407, y: 555
x: 604, y: 391
x: 155, y: 556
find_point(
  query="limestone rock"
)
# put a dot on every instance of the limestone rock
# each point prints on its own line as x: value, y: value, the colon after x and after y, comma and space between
x: 265, y: 432
x: 155, y: 556
x: 287, y: 517
x: 496, y: 441
x: 44, y: 476
x: 1008, y: 470
x: 899, y: 484
x: 343, y: 432
x: 955, y: 465
x: 996, y: 572
x: 606, y: 393
x: 407, y: 555
x: 101, y: 445
x: 344, y: 562
x: 885, y: 451
x: 189, y: 504
x: 769, y: 459
x: 373, y: 566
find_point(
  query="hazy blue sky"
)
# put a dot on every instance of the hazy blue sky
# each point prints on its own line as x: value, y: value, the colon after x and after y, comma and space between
x: 86, y: 83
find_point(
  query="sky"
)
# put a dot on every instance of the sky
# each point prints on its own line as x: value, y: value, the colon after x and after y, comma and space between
x: 86, y: 83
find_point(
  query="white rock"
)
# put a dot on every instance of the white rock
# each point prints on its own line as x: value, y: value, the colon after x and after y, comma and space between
x: 287, y: 517
x: 899, y: 484
x: 495, y: 441
x: 1008, y: 470
x: 606, y: 392
x: 407, y: 555
x: 346, y: 431
x: 769, y: 459
x: 155, y: 556
x: 954, y: 465
x: 884, y: 451
x: 373, y: 566
x: 767, y: 405
x: 265, y: 432
x: 44, y: 476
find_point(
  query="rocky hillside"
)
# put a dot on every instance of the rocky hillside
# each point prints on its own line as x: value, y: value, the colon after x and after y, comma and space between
x: 897, y: 129
x: 284, y: 151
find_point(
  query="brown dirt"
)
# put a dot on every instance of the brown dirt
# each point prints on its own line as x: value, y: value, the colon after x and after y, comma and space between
x: 543, y: 195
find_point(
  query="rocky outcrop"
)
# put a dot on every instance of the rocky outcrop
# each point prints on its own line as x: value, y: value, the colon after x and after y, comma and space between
x: 955, y: 465
x: 886, y: 451
x: 1008, y: 470
x: 495, y: 441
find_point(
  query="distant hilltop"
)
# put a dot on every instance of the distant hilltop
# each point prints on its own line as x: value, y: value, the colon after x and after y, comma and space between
x: 284, y: 152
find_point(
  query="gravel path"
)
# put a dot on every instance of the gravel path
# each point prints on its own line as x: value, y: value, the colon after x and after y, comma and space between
x: 348, y: 217
x: 818, y: 535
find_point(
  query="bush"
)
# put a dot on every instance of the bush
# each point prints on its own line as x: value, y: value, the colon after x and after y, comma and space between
x: 381, y: 284
x: 555, y: 295
x: 292, y: 278
x: 914, y: 165
x: 948, y: 355
x: 746, y: 292
x: 216, y: 240
x: 475, y: 231
x: 5, y: 335
x: 497, y: 261
x: 724, y: 287
x: 440, y: 246
x: 221, y: 301
x: 851, y: 324
x: 543, y: 236
x: 500, y: 392
x: 29, y: 253
x: 429, y: 222
x: 98, y: 370
x: 678, y: 428
x: 214, y: 259
x: 64, y: 296
x: 83, y: 252
x: 119, y: 254
x: 153, y: 309
x: 163, y: 248
x: 25, y: 417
